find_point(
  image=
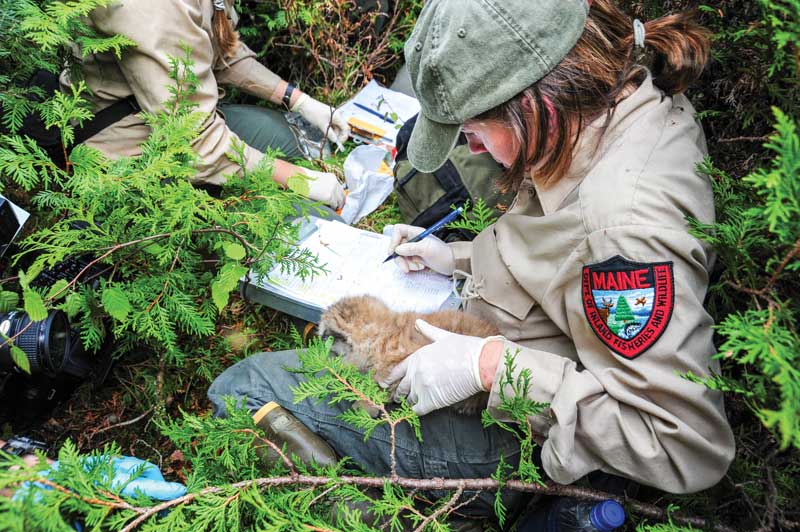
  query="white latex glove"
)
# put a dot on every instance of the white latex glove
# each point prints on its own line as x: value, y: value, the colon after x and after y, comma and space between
x: 439, y: 374
x: 430, y: 251
x: 325, y: 187
x: 321, y: 116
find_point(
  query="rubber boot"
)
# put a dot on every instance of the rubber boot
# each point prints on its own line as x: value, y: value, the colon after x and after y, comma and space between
x: 288, y: 433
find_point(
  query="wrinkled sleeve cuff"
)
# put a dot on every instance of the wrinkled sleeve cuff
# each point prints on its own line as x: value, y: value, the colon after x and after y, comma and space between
x: 462, y: 253
x: 213, y: 146
x: 547, y: 373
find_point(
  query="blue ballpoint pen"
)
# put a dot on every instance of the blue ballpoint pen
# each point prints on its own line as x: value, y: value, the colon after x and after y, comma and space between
x: 374, y: 112
x: 432, y: 229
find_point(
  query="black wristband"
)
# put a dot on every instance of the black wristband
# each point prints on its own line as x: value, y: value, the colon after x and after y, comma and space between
x: 287, y: 95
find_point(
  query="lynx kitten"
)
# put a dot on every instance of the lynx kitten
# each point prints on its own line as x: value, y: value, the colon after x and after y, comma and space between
x: 371, y: 336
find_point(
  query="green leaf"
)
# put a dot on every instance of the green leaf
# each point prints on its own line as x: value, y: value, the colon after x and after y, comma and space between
x: 234, y: 251
x: 23, y: 280
x: 57, y: 291
x: 116, y: 303
x: 19, y: 358
x: 34, y: 306
x: 299, y: 184
x: 226, y: 281
x: 72, y: 304
x: 8, y: 301
x: 153, y: 249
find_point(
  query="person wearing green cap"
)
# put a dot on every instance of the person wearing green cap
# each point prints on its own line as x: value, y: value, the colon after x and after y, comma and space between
x: 591, y: 276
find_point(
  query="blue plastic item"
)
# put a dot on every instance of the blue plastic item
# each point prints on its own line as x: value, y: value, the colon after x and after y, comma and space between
x: 607, y: 515
x: 134, y: 475
x: 140, y: 476
x: 572, y: 515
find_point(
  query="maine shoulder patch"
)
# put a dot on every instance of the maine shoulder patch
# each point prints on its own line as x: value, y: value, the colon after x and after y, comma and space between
x: 628, y: 304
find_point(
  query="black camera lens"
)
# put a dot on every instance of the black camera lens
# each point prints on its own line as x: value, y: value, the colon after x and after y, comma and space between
x: 58, y: 341
x: 45, y: 343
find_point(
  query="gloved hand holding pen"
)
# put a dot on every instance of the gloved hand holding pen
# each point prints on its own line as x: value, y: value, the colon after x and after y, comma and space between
x: 429, y: 252
x: 414, y: 248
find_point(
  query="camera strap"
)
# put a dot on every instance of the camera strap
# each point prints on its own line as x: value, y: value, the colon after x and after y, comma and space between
x: 106, y: 117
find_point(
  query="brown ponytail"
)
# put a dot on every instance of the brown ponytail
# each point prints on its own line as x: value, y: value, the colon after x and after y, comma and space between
x: 680, y: 49
x: 225, y: 37
x: 603, y: 68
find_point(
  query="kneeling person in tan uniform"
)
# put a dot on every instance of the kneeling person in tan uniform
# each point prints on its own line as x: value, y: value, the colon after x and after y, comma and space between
x: 592, y: 275
x: 160, y: 28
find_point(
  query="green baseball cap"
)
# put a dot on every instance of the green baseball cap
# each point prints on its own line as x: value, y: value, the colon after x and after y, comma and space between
x: 466, y: 57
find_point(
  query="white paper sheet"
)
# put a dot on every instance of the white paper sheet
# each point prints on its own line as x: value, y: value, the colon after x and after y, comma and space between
x: 354, y: 261
x: 22, y: 215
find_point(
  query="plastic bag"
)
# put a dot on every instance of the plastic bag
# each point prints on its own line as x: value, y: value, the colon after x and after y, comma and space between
x: 369, y: 181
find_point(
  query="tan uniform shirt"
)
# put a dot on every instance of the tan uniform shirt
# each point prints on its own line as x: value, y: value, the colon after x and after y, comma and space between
x: 551, y: 274
x: 160, y: 27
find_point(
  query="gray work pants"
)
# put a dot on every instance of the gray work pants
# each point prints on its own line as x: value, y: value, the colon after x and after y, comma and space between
x: 261, y: 128
x: 453, y: 445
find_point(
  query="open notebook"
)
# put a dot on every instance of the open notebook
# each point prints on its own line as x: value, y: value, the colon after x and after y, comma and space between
x: 354, y: 260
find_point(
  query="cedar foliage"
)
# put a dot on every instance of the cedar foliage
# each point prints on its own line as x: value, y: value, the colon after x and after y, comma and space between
x: 169, y: 254
x: 164, y: 299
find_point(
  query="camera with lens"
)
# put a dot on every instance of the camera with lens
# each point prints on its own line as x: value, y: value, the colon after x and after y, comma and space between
x: 53, y: 348
x: 58, y: 365
x: 47, y: 344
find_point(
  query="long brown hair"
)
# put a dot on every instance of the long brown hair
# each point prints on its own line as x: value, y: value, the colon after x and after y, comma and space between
x: 600, y: 70
x: 225, y: 37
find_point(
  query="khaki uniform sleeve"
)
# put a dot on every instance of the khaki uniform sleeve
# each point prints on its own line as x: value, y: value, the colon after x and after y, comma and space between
x: 462, y: 253
x: 146, y: 68
x: 631, y: 417
x: 244, y: 71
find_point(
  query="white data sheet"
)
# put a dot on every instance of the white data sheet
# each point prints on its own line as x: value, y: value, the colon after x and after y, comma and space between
x: 354, y: 260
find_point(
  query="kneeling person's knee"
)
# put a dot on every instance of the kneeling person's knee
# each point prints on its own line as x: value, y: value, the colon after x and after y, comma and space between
x: 255, y: 381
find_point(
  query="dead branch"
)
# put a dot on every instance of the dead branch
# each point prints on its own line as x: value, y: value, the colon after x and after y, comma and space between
x: 483, y: 484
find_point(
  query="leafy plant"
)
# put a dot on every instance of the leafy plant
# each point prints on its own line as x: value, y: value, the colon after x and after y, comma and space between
x: 758, y: 236
x: 230, y: 486
x: 332, y: 46
x: 163, y: 255
x: 474, y: 219
x: 145, y: 209
x: 36, y: 38
x: 669, y: 526
x: 519, y: 408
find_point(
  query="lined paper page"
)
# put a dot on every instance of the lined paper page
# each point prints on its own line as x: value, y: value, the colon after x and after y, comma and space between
x: 353, y: 259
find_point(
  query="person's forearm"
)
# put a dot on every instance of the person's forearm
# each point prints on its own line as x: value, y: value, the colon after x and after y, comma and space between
x: 489, y: 359
x: 280, y: 90
x: 284, y: 170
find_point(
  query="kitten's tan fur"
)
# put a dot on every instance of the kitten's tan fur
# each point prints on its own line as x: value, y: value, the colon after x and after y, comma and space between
x: 369, y: 335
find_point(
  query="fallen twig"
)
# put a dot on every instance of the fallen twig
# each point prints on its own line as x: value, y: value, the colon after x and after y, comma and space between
x: 124, y: 423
